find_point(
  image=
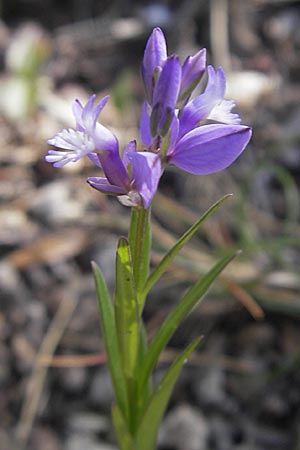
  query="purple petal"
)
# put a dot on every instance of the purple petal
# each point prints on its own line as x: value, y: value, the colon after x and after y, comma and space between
x: 87, y: 116
x: 145, y: 131
x: 154, y: 56
x: 210, y: 148
x: 98, y: 108
x: 146, y: 173
x: 87, y: 113
x: 114, y: 169
x: 173, y: 133
x: 103, y: 185
x: 94, y: 157
x: 192, y: 72
x: 165, y: 96
x: 200, y: 107
x: 130, y: 147
x: 104, y: 139
x: 77, y: 112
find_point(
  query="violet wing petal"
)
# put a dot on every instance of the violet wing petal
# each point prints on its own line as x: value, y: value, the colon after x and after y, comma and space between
x: 94, y: 157
x: 173, y: 134
x: 192, y: 70
x: 145, y: 131
x: 98, y: 108
x: 130, y: 147
x: 77, y: 113
x: 200, y: 107
x: 104, y: 139
x: 146, y: 173
x: 210, y: 148
x: 154, y: 56
x: 166, y: 93
x: 114, y: 169
x: 87, y: 114
x: 103, y: 185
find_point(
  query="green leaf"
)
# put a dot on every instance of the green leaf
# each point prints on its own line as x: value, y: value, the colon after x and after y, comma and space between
x: 108, y: 325
x: 192, y: 298
x: 124, y: 438
x: 167, y: 259
x: 148, y: 428
x: 126, y: 308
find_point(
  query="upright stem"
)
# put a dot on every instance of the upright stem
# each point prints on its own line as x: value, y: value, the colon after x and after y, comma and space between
x: 140, y: 246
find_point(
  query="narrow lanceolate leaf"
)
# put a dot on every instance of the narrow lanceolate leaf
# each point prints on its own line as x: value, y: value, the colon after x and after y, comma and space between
x: 108, y: 325
x: 126, y: 308
x: 167, y: 259
x: 124, y: 438
x: 192, y: 298
x: 148, y: 428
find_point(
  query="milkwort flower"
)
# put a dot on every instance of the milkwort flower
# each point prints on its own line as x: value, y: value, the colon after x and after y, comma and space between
x: 180, y: 129
x: 133, y: 178
x: 175, y: 129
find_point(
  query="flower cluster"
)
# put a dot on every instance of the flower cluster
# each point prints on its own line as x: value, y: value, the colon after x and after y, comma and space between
x: 199, y: 135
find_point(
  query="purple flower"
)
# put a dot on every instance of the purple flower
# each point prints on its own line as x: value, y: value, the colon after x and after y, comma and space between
x: 136, y: 183
x: 90, y: 137
x: 191, y: 146
x: 133, y: 178
x: 174, y: 128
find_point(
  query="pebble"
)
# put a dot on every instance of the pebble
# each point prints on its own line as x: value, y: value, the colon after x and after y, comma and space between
x: 100, y: 393
x: 84, y: 422
x: 73, y: 379
x: 43, y: 438
x: 81, y: 442
x: 185, y: 428
x: 209, y: 388
x: 4, y: 364
x: 221, y: 432
x: 45, y: 204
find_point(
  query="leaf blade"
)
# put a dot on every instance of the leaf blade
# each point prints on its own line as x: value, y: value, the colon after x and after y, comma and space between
x: 154, y: 412
x: 170, y: 255
x: 108, y: 326
x: 191, y: 299
x: 124, y: 438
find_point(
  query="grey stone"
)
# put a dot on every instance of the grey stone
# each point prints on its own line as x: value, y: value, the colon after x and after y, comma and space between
x: 185, y: 428
x: 82, y: 442
x: 88, y: 423
x: 101, y: 393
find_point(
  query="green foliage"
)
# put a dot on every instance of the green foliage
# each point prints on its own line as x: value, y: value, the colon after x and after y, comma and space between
x: 191, y: 299
x: 139, y: 407
x: 108, y: 325
x: 126, y: 309
x: 167, y: 259
x: 125, y: 440
x: 148, y: 428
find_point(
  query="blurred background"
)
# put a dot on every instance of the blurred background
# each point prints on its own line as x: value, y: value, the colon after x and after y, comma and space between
x: 241, y: 390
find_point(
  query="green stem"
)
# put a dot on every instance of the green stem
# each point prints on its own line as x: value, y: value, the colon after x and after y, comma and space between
x: 140, y: 246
